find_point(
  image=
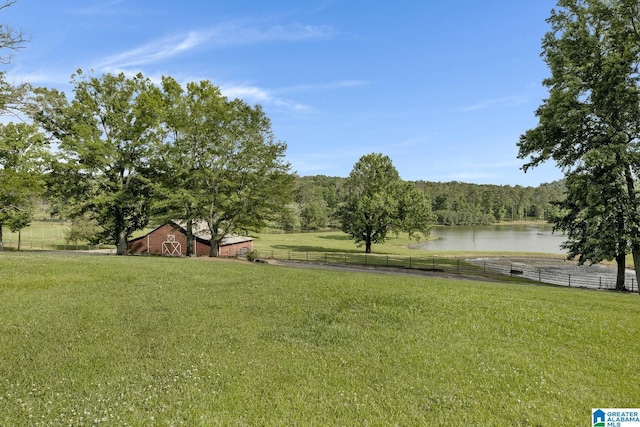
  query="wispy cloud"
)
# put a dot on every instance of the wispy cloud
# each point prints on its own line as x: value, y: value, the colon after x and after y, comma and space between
x: 45, y: 77
x: 342, y: 84
x: 101, y: 8
x: 254, y: 94
x: 508, y: 101
x: 220, y: 36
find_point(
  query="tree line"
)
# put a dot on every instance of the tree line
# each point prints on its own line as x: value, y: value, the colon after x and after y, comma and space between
x: 317, y: 200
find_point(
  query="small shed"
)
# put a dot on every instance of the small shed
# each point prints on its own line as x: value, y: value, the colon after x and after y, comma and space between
x: 171, y: 239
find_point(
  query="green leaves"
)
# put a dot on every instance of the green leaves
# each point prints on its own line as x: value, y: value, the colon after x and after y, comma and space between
x: 377, y: 201
x: 590, y: 124
x: 218, y: 161
x: 23, y: 159
x: 105, y: 136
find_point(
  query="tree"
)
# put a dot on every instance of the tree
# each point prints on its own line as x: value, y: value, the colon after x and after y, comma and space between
x: 224, y: 164
x: 10, y: 38
x: 23, y: 156
x: 312, y: 206
x: 377, y: 201
x: 596, y: 228
x: 105, y: 135
x: 176, y: 159
x: 590, y: 126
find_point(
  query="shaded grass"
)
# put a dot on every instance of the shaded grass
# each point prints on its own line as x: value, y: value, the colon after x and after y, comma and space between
x: 44, y: 235
x: 144, y: 340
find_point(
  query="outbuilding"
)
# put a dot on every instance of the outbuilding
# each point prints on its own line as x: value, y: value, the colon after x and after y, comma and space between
x: 171, y: 239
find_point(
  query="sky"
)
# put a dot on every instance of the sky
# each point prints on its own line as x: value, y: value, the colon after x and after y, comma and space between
x: 444, y: 88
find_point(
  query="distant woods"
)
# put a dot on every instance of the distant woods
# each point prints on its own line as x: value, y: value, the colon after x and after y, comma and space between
x: 317, y: 199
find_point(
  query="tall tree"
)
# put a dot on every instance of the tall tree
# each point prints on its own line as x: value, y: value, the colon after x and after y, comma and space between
x: 224, y: 164
x: 105, y: 135
x: 10, y: 38
x: 377, y: 202
x: 175, y: 161
x: 590, y: 123
x: 23, y: 158
x: 11, y: 96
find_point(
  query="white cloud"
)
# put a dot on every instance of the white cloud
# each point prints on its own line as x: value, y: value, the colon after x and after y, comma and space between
x: 508, y: 101
x: 220, y: 36
x: 152, y: 52
x: 104, y: 8
x: 325, y: 86
x: 48, y: 77
x: 254, y: 94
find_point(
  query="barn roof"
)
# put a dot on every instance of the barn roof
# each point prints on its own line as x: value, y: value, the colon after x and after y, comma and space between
x: 200, y: 232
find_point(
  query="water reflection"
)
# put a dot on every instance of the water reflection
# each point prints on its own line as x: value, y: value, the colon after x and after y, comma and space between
x: 495, y: 238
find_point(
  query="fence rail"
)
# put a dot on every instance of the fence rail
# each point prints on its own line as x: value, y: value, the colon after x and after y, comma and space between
x: 549, y: 271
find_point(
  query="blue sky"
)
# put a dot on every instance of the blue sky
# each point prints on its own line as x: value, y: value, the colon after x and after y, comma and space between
x: 444, y: 88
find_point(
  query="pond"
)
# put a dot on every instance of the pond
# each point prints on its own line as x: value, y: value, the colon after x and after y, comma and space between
x: 495, y: 238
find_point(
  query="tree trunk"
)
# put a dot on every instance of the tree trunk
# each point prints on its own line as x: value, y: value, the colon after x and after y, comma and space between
x: 214, y: 249
x: 121, y: 245
x: 367, y: 247
x: 189, y: 237
x: 635, y: 251
x: 620, y: 277
x: 19, y: 239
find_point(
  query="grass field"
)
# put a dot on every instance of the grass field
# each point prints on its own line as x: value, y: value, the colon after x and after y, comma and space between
x: 87, y: 340
x: 337, y: 241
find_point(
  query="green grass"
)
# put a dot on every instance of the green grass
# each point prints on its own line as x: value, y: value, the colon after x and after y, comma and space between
x: 337, y: 241
x: 111, y: 340
x: 43, y: 235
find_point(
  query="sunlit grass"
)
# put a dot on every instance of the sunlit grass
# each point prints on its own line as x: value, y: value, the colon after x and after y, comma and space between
x: 337, y: 241
x: 172, y: 341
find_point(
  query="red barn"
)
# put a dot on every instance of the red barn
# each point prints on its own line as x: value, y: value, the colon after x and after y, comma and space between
x: 171, y: 239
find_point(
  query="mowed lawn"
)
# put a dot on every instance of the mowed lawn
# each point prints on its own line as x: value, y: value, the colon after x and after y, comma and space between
x: 88, y: 340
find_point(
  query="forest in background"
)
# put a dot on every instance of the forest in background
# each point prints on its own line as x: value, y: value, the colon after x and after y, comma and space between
x: 454, y: 203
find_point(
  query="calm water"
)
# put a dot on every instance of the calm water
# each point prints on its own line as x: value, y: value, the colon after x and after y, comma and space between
x: 494, y: 238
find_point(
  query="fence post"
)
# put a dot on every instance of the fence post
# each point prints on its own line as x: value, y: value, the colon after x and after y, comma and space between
x: 600, y: 282
x: 289, y: 255
x: 345, y: 257
x: 410, y: 267
x: 539, y: 275
x: 325, y: 257
x: 307, y: 254
x: 433, y: 263
x: 569, y: 279
x: 387, y: 260
x: 365, y: 260
x: 458, y: 265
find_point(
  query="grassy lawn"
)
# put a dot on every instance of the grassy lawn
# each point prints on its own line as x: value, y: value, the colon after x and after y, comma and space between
x: 337, y: 241
x: 327, y: 241
x: 172, y: 341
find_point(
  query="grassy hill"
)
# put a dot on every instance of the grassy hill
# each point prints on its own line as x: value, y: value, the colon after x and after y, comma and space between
x: 144, y: 340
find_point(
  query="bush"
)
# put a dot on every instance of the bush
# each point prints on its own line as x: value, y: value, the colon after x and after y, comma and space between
x: 252, y: 256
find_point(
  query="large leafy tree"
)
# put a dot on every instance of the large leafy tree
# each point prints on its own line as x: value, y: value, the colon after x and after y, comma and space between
x: 23, y: 158
x: 590, y: 126
x: 104, y: 136
x: 377, y: 202
x: 220, y: 162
